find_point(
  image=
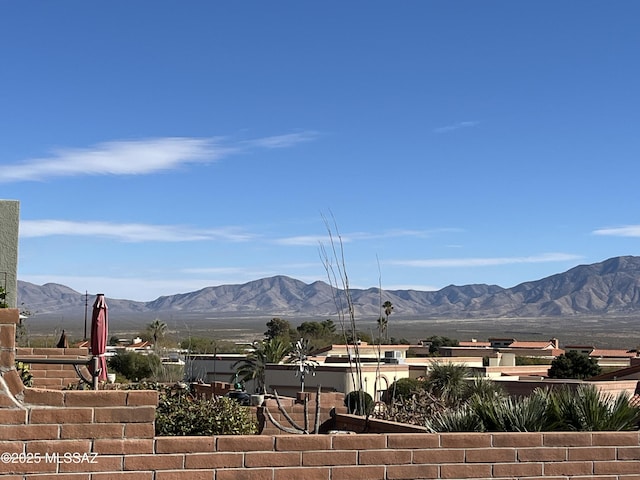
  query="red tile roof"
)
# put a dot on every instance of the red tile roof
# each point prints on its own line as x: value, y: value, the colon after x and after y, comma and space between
x: 518, y: 344
x: 474, y: 344
x: 600, y: 352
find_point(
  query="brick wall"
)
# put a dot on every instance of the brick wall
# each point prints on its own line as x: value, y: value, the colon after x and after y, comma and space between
x: 330, y: 403
x: 557, y: 455
x: 111, y: 432
x: 38, y: 423
x: 11, y: 387
x: 209, y: 390
x: 54, y: 376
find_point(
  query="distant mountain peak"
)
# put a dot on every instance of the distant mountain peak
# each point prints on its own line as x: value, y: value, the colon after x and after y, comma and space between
x: 611, y: 286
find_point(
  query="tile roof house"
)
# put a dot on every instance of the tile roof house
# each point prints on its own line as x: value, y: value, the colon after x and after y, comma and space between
x: 502, y: 351
x: 513, y: 343
x: 473, y: 343
x: 605, y: 357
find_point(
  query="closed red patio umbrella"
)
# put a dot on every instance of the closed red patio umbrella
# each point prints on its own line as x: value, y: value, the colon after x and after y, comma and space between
x: 99, y: 329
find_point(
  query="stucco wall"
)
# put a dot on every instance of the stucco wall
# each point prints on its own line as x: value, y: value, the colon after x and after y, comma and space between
x: 9, y: 225
x: 336, y: 376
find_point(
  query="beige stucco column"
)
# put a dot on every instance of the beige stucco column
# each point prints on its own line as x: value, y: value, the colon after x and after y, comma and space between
x: 9, y: 225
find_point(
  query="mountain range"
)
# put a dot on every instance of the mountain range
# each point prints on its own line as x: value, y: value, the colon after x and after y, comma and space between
x: 608, y: 287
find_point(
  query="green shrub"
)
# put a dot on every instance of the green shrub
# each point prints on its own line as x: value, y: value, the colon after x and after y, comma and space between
x: 484, y: 388
x: 447, y: 382
x: 135, y: 366
x: 587, y: 409
x: 402, y: 389
x: 508, y: 414
x: 167, y: 373
x: 179, y: 413
x: 563, y: 409
x: 574, y: 365
x: 359, y: 403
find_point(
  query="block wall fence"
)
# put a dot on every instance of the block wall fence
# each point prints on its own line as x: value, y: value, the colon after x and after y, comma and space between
x: 54, y: 376
x: 109, y: 434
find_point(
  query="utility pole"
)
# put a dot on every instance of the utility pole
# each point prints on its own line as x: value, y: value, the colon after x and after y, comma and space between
x: 86, y: 308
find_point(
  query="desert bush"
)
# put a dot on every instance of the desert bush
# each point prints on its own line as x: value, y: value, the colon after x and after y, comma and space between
x: 463, y: 419
x: 416, y: 410
x: 134, y: 366
x: 484, y: 388
x: 167, y: 373
x: 508, y: 414
x: 445, y: 390
x: 447, y: 382
x: 564, y: 409
x: 587, y: 409
x: 359, y: 402
x: 180, y: 413
x: 402, y: 389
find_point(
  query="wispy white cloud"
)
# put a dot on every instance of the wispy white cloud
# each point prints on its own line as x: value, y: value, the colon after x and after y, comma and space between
x: 485, y: 262
x: 455, y: 126
x: 283, y: 141
x: 624, y: 231
x: 315, y: 240
x: 138, y: 157
x: 306, y: 240
x: 128, y: 232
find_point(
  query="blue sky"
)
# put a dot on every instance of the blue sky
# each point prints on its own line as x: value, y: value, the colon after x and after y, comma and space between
x: 162, y: 147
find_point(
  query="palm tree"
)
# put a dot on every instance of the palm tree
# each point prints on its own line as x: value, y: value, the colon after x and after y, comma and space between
x: 447, y: 382
x: 388, y: 308
x: 157, y: 330
x: 253, y: 366
x: 382, y: 328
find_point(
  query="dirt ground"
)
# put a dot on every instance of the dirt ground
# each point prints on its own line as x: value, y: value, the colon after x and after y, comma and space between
x: 603, y: 332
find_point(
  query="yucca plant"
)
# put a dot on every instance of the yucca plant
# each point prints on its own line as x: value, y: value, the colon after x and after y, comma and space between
x: 463, y: 419
x: 523, y: 414
x: 587, y: 409
x: 484, y: 388
x: 447, y: 382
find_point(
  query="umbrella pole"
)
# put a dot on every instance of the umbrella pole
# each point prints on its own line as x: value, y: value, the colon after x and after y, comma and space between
x: 96, y: 373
